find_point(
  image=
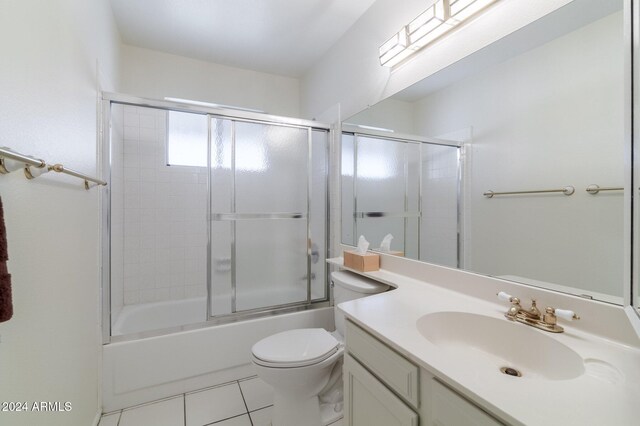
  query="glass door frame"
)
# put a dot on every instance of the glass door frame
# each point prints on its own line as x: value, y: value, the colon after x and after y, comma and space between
x: 234, y: 216
x: 104, y: 163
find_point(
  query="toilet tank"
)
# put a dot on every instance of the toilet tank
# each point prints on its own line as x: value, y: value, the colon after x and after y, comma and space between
x: 349, y: 286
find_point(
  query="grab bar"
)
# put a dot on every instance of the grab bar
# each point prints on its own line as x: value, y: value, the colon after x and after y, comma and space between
x: 567, y: 190
x: 594, y: 189
x: 363, y: 215
x: 253, y: 216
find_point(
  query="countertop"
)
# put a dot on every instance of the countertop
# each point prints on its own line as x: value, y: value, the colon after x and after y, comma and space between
x: 608, y: 393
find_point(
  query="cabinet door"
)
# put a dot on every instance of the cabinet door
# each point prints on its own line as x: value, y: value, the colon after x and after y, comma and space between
x: 369, y: 403
x: 450, y: 409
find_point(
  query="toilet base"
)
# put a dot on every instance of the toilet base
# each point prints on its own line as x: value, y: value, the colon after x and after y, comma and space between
x: 330, y: 413
x: 288, y: 411
x: 308, y: 412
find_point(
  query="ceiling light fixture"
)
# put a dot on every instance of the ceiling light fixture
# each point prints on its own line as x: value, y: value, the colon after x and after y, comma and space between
x: 437, y: 20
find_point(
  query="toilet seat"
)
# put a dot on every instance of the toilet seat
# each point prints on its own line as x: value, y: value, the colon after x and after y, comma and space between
x: 295, y: 348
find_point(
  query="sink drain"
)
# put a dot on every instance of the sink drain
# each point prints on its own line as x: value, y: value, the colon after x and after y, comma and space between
x: 511, y: 372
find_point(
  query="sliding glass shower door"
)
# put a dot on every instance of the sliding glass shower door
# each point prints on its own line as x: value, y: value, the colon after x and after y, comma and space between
x: 212, y: 216
x: 262, y: 184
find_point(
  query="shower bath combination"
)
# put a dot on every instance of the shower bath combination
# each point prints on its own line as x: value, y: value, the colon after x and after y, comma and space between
x: 212, y: 217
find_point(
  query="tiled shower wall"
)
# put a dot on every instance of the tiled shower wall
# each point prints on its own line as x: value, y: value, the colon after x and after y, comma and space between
x: 117, y: 212
x: 164, y: 215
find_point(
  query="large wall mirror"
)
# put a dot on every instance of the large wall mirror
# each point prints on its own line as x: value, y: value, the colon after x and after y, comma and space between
x: 510, y: 163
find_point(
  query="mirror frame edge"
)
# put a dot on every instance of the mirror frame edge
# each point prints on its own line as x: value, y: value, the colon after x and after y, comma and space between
x: 632, y: 121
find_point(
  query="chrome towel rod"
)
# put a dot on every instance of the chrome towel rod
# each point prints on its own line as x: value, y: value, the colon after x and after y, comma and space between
x: 567, y: 190
x: 594, y: 189
x: 41, y: 167
x: 363, y: 215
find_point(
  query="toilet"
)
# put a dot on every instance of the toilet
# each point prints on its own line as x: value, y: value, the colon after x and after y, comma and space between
x: 304, y: 366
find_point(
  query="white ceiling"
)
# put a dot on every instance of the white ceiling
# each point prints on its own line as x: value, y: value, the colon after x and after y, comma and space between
x: 283, y: 37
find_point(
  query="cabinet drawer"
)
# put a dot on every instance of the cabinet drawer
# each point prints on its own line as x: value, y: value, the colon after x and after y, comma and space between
x: 369, y: 403
x: 394, y: 370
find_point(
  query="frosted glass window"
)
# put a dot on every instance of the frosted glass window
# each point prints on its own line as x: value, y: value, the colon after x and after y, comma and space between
x: 187, y: 136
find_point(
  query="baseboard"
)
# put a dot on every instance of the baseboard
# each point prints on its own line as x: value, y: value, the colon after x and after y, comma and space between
x: 96, y: 420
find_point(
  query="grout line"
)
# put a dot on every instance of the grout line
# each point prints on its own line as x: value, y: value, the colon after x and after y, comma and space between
x: 144, y: 404
x: 184, y: 407
x: 262, y: 408
x: 228, y: 418
x: 184, y: 396
x: 230, y: 382
x: 245, y: 403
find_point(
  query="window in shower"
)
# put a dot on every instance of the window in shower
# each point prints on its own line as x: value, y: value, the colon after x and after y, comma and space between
x: 187, y: 136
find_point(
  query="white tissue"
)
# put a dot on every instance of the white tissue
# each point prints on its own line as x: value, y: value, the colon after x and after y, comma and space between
x: 363, y: 245
x: 385, y: 245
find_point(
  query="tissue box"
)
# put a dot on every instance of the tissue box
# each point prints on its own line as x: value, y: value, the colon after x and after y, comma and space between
x: 363, y: 263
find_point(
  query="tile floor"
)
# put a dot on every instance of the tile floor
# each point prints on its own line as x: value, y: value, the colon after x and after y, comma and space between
x: 245, y: 402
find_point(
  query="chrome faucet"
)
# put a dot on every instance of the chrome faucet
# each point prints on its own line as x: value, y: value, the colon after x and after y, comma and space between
x: 533, y: 316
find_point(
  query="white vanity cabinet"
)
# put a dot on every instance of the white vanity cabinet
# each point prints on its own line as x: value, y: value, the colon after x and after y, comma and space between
x: 382, y: 388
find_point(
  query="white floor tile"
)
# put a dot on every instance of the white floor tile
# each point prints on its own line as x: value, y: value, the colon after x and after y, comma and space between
x: 262, y: 417
x: 257, y: 394
x: 236, y: 421
x: 164, y: 413
x: 213, y: 405
x: 110, y: 420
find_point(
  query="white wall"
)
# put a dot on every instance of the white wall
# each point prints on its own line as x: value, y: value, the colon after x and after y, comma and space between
x: 550, y: 117
x: 152, y: 74
x: 392, y: 114
x: 350, y: 72
x: 50, y: 350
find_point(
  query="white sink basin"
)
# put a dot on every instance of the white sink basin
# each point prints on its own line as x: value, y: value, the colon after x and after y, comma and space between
x: 490, y: 344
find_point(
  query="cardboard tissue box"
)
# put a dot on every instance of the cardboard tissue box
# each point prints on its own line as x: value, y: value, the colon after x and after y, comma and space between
x: 361, y: 262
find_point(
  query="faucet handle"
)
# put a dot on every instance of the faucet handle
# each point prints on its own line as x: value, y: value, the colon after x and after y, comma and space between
x: 550, y: 318
x: 505, y: 297
x: 565, y: 314
x: 515, y: 304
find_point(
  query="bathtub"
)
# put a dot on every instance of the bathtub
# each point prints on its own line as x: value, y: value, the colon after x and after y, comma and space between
x: 147, y: 369
x: 159, y: 315
x: 175, y: 313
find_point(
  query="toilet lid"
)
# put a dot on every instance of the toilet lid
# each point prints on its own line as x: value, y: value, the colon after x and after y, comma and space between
x: 296, y: 348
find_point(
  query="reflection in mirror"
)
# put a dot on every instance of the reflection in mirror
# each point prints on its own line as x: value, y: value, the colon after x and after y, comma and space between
x: 405, y: 186
x: 539, y: 110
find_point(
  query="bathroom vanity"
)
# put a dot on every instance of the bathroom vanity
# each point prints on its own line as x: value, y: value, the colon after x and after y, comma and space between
x: 383, y: 387
x: 427, y: 354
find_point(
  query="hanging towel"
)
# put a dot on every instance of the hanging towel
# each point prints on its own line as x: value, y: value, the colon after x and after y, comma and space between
x: 6, y: 306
